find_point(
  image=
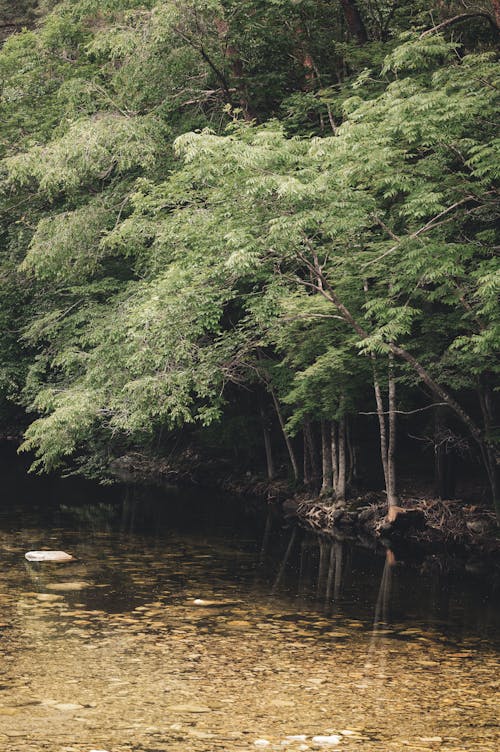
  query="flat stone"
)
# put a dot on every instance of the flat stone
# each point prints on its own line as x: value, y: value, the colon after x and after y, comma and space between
x: 187, y: 708
x: 431, y: 739
x: 48, y: 597
x: 48, y: 556
x: 68, y: 706
x: 70, y: 585
x: 333, y: 739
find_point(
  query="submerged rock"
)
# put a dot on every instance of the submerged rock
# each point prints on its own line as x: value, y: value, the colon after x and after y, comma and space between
x: 326, y: 740
x: 188, y: 708
x: 213, y: 604
x: 48, y: 597
x: 70, y: 585
x: 48, y: 556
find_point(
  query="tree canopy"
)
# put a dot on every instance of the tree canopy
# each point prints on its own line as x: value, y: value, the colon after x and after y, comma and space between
x: 293, y: 199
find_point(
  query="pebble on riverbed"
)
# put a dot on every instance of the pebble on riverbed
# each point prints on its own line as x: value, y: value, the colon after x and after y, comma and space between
x: 48, y: 556
x: 332, y: 739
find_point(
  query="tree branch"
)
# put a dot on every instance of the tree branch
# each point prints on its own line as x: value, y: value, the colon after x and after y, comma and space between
x: 459, y: 19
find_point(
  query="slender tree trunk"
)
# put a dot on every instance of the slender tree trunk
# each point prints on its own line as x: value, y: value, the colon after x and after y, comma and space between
x: 392, y: 498
x: 351, y: 453
x: 326, y: 456
x: 487, y: 450
x: 341, y: 478
x: 335, y: 457
x: 313, y: 455
x: 381, y: 421
x: 306, y: 459
x: 291, y: 453
x: 267, y: 444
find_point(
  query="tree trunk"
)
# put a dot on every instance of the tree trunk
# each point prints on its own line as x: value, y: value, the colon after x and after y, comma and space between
x: 267, y: 444
x: 392, y: 498
x: 354, y: 21
x: 313, y: 455
x: 496, y: 10
x: 351, y: 453
x: 326, y: 456
x: 335, y: 456
x: 291, y: 453
x: 487, y: 450
x: 307, y: 461
x: 237, y: 69
x: 340, y: 490
x: 381, y: 422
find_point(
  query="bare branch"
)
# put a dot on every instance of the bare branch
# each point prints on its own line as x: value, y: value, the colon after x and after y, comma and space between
x: 405, y: 412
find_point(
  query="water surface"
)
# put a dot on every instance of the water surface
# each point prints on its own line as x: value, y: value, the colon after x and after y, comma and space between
x: 300, y: 637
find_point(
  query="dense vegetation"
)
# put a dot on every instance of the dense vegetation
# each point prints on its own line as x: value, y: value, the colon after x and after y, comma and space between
x: 231, y: 219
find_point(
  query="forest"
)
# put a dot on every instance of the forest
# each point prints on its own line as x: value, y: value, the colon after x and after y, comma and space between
x: 265, y: 232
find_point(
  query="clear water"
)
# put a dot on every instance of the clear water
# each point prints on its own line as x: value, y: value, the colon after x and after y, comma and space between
x: 300, y: 637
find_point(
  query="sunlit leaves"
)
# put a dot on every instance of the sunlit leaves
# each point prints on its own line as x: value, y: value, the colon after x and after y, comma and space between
x: 89, y: 151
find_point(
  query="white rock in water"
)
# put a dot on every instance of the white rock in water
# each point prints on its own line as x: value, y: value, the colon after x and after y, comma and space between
x: 208, y: 604
x: 48, y: 556
x: 333, y: 739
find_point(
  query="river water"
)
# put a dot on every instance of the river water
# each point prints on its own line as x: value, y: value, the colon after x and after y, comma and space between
x: 338, y: 646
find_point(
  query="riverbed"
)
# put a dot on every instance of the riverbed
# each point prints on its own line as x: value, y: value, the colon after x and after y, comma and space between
x: 194, y: 623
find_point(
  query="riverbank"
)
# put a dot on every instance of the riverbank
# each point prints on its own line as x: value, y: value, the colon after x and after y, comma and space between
x: 422, y: 521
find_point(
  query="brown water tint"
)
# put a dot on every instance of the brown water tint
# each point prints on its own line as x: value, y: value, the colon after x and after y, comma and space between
x: 299, y: 638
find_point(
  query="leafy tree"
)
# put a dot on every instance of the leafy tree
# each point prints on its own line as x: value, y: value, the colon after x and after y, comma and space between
x: 298, y: 198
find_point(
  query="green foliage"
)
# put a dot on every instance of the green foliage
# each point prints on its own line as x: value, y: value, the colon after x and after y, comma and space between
x: 188, y: 188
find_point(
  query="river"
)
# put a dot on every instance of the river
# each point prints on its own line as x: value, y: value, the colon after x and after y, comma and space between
x: 190, y: 622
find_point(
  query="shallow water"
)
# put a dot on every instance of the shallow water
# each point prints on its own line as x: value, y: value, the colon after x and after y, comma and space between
x: 299, y: 637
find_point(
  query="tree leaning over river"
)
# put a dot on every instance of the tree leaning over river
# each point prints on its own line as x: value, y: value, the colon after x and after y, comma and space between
x: 205, y: 200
